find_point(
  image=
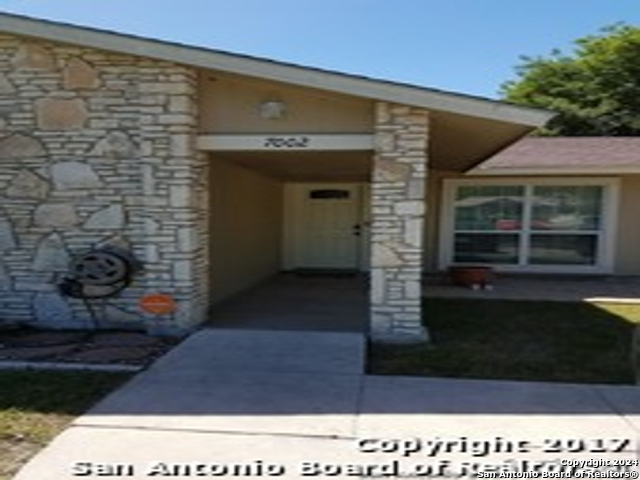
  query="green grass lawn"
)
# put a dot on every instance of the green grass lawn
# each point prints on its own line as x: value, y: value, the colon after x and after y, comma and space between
x: 518, y: 340
x: 35, y: 406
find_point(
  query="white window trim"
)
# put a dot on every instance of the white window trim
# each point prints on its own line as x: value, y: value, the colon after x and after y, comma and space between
x: 606, y: 246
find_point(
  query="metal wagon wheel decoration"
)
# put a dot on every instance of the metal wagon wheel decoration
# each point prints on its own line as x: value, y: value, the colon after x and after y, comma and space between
x: 100, y: 268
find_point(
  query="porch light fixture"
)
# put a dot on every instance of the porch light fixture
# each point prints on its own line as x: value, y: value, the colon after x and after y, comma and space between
x: 272, y: 110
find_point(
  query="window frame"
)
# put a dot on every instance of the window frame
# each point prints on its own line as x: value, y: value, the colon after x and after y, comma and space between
x: 606, y: 234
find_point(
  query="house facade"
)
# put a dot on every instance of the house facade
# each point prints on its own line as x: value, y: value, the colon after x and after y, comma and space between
x: 214, y: 171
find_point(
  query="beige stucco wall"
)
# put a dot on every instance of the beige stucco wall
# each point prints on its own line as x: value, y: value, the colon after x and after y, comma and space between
x: 229, y: 104
x: 246, y: 228
x: 627, y: 259
x: 432, y: 220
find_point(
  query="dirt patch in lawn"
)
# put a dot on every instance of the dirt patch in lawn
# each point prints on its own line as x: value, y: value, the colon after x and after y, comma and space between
x: 93, y: 347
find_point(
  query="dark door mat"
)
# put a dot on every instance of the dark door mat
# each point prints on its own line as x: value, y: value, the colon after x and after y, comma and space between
x: 321, y: 272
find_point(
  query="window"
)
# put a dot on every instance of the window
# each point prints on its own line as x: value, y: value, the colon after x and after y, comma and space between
x: 486, y: 218
x: 527, y: 225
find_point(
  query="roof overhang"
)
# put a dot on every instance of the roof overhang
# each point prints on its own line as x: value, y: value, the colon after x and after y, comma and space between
x: 553, y: 172
x: 460, y: 142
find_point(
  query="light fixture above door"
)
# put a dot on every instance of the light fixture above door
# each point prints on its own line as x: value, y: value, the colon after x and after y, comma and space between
x: 272, y: 110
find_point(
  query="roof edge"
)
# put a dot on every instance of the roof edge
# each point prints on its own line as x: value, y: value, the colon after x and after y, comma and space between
x: 528, y: 172
x: 202, y: 57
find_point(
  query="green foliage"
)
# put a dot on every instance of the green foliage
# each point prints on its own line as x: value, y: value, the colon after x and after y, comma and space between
x: 595, y: 90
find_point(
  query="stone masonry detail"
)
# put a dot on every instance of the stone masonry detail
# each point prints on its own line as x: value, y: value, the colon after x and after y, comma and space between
x: 98, y: 148
x: 397, y: 216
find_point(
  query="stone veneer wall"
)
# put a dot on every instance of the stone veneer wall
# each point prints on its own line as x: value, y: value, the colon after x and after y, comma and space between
x: 98, y: 148
x: 397, y: 218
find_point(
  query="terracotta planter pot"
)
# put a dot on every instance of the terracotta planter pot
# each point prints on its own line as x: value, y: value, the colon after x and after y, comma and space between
x: 471, y: 276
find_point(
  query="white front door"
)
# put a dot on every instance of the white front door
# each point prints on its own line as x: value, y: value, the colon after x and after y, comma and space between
x: 328, y: 226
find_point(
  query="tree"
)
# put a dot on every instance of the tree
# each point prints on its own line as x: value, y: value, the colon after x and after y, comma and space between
x: 595, y: 90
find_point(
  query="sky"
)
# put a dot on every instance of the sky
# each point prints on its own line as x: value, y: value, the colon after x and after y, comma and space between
x: 466, y: 46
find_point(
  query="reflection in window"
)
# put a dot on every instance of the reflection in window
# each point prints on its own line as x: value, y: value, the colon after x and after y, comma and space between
x: 563, y: 250
x: 486, y: 248
x: 528, y: 224
x: 489, y: 207
x: 566, y: 208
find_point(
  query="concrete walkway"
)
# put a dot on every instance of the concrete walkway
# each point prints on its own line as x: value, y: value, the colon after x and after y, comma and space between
x: 291, y: 404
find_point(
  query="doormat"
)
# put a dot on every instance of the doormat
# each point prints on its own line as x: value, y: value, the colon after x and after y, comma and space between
x: 322, y: 272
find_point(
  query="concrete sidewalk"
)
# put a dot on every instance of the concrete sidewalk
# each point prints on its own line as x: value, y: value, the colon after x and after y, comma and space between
x: 296, y: 404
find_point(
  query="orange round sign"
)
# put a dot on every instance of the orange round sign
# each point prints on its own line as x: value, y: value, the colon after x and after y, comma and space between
x: 157, y: 303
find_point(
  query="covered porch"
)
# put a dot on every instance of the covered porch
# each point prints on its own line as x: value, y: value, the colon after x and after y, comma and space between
x: 305, y: 179
x: 349, y: 203
x: 346, y: 203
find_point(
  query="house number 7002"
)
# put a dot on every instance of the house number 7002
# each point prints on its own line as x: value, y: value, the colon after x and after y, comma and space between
x: 286, y: 142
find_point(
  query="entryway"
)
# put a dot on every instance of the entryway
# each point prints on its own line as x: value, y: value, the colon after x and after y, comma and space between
x: 275, y: 212
x: 298, y: 301
x: 325, y: 226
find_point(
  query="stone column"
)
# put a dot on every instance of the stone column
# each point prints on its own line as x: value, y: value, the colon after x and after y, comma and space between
x: 397, y: 217
x: 173, y: 210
